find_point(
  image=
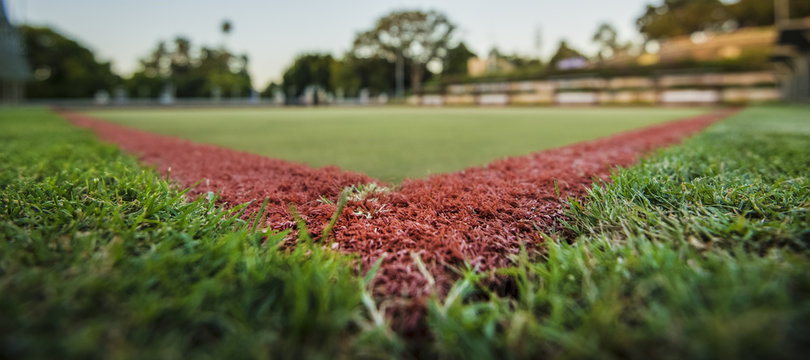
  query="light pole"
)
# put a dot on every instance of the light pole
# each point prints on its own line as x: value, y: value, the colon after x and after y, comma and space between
x: 781, y: 11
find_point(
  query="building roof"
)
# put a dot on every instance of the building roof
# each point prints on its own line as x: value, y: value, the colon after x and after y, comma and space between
x: 13, y: 64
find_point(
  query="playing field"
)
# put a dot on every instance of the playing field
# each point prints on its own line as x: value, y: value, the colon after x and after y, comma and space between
x: 393, y: 143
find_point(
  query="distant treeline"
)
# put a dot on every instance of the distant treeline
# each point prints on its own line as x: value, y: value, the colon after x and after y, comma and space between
x: 402, y: 51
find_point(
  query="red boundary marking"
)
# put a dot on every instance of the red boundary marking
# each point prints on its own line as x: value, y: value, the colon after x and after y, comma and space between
x: 479, y: 216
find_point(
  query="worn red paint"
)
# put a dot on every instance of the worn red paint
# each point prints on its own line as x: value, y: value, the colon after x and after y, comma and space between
x: 479, y: 216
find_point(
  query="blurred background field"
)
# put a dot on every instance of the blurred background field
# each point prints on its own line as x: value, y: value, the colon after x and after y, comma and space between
x: 393, y: 143
x: 455, y: 52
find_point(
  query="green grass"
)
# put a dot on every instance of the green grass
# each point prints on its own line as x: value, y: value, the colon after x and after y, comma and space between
x: 101, y: 258
x: 699, y: 252
x: 394, y: 143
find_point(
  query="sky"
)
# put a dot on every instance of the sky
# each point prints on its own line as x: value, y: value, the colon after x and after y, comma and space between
x: 273, y: 32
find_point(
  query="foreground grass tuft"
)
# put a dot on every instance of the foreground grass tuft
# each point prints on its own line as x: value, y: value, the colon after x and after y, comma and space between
x: 102, y: 258
x: 744, y: 183
x: 698, y: 252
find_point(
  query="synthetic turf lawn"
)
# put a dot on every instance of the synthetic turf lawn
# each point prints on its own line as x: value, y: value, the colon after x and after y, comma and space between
x: 391, y: 144
x: 698, y: 252
x: 101, y: 258
x: 482, y: 214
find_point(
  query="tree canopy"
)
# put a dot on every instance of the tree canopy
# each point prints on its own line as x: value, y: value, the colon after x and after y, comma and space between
x: 353, y: 74
x: 669, y: 18
x: 607, y: 38
x: 564, y: 51
x: 192, y: 72
x: 348, y: 75
x: 761, y: 12
x: 62, y: 67
x: 415, y: 37
x: 308, y: 70
x: 455, y: 63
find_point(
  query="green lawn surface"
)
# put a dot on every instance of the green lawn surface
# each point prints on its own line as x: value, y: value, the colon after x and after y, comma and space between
x: 701, y: 251
x: 101, y: 258
x: 391, y: 143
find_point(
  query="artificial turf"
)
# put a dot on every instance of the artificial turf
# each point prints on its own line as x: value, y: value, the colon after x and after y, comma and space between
x: 391, y: 143
x: 700, y: 251
x: 102, y: 258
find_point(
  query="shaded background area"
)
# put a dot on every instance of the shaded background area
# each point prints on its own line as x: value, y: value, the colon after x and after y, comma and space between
x: 406, y: 51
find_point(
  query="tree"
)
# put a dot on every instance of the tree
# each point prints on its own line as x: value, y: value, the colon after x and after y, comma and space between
x: 352, y: 74
x: 220, y: 70
x: 226, y: 27
x: 606, y: 38
x: 521, y: 62
x: 199, y: 73
x: 63, y: 68
x: 308, y: 70
x: 271, y: 89
x: 455, y: 63
x: 761, y: 12
x: 681, y: 17
x: 564, y: 52
x: 414, y: 37
x: 181, y: 58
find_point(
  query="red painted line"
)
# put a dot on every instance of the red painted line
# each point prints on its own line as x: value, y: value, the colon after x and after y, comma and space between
x: 479, y: 216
